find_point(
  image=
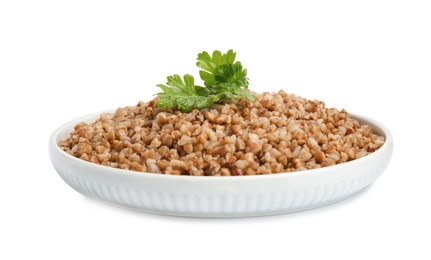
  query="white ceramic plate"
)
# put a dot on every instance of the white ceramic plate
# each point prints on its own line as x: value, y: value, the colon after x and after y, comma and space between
x: 220, y: 196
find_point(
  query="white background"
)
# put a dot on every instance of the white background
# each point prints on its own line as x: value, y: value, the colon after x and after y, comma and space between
x: 63, y: 59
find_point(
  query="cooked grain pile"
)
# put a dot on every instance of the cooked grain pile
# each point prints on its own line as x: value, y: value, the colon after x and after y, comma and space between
x: 278, y: 132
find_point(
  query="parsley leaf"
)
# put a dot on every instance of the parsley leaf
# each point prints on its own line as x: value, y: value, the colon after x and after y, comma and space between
x: 220, y: 68
x: 223, y: 79
x: 181, y: 94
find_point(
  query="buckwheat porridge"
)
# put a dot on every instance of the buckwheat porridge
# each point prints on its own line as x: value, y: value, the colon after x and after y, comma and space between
x: 275, y: 133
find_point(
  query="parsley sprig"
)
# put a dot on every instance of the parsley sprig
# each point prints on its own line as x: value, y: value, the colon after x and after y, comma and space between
x: 223, y: 79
